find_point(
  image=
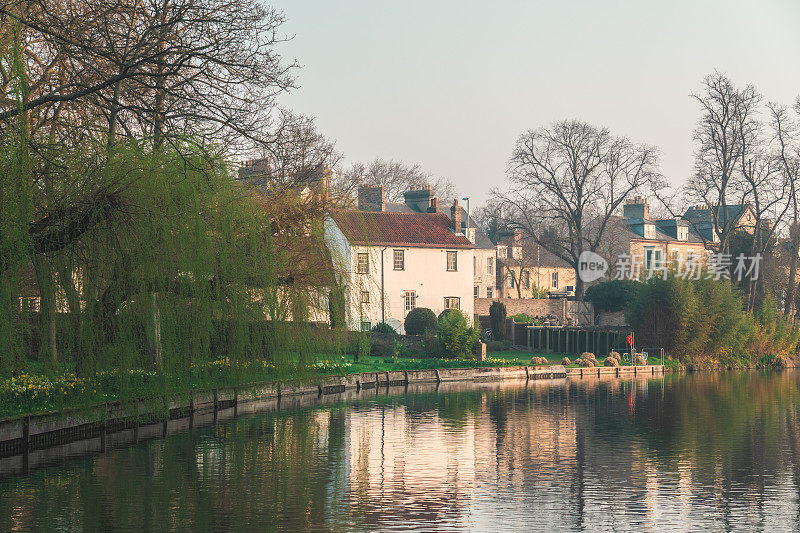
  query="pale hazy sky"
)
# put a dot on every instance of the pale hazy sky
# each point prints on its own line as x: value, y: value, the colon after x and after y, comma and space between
x: 452, y: 84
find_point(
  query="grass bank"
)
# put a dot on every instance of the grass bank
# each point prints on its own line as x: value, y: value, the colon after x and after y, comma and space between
x: 38, y: 390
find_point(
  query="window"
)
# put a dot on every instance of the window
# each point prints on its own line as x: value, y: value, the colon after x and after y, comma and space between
x: 399, y: 260
x: 649, y: 231
x: 490, y: 265
x: 501, y: 251
x: 452, y: 302
x: 410, y: 298
x: 366, y: 325
x: 511, y: 281
x: 490, y: 292
x: 364, y: 297
x: 476, y: 291
x: 526, y: 279
x: 683, y: 233
x: 554, y: 280
x: 363, y: 264
x: 474, y: 266
x: 648, y: 258
x: 452, y: 261
x: 676, y: 257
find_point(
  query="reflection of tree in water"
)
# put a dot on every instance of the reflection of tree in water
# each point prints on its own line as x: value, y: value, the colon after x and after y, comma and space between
x: 583, y: 454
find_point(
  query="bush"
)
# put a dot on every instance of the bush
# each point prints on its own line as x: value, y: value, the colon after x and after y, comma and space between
x: 456, y: 338
x: 381, y: 348
x: 497, y: 317
x: 420, y: 321
x: 383, y: 327
x: 524, y: 318
x: 613, y: 295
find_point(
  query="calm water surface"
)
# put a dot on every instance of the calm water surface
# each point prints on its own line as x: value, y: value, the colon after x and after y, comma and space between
x: 697, y: 452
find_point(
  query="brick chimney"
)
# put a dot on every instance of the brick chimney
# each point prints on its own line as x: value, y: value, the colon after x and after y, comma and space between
x: 455, y: 218
x: 371, y: 198
x: 418, y: 198
x: 434, y: 207
x: 636, y: 208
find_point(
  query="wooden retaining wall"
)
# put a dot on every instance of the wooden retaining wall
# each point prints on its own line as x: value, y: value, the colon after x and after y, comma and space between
x: 37, y: 439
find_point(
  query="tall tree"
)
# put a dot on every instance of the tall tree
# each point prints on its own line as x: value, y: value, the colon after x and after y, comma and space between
x: 569, y: 179
x: 725, y: 136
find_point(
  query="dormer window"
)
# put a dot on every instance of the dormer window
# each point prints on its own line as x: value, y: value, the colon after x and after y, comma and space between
x: 683, y: 233
x: 649, y: 231
x: 501, y: 252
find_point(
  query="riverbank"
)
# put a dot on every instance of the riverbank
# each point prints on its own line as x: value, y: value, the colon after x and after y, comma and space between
x: 129, y: 421
x: 40, y: 391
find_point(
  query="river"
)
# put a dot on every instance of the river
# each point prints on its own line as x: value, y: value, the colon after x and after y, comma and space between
x: 684, y: 452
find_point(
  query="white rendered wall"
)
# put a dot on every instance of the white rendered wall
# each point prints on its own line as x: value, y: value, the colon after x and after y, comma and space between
x: 425, y: 273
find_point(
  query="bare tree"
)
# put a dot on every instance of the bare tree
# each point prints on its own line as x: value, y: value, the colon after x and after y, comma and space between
x: 395, y: 177
x: 725, y: 136
x: 570, y: 178
x: 788, y: 160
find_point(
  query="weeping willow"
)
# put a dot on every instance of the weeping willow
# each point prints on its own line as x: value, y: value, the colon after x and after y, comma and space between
x: 176, y: 273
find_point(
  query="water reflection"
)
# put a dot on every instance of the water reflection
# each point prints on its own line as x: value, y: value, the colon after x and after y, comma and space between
x: 713, y: 452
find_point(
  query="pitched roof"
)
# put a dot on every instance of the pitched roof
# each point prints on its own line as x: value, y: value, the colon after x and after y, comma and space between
x: 481, y: 240
x: 414, y: 230
x: 705, y: 214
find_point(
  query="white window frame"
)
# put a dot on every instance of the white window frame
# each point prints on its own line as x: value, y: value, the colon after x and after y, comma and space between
x: 490, y: 292
x: 454, y: 255
x: 364, y: 297
x: 409, y: 300
x: 490, y: 265
x: 401, y: 255
x: 554, y: 280
x: 450, y: 300
x: 476, y: 291
x: 362, y: 268
x: 366, y: 325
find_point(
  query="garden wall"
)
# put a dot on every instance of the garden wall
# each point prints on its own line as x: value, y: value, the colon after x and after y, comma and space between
x: 559, y: 307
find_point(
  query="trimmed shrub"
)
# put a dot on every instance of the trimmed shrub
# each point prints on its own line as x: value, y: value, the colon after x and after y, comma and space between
x: 383, y: 327
x: 566, y: 361
x: 610, y: 361
x: 420, y: 321
x: 456, y: 338
x: 497, y: 318
x: 539, y: 361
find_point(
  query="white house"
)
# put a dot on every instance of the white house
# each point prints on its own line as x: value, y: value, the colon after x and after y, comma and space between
x: 393, y: 262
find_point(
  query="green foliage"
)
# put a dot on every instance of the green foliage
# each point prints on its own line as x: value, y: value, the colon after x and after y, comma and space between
x: 383, y: 327
x: 703, y: 323
x: 612, y: 296
x: 456, y: 338
x: 364, y: 347
x: 497, y: 317
x: 420, y: 321
x: 337, y: 306
x: 525, y: 318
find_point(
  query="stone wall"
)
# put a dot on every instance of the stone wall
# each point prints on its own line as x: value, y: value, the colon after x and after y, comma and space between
x: 533, y: 307
x: 559, y: 307
x: 608, y: 318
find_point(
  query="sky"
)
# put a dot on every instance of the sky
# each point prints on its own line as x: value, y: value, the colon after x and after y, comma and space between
x: 451, y: 85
